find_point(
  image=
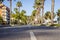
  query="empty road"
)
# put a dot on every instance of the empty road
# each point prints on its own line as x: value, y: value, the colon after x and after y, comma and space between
x: 36, y: 34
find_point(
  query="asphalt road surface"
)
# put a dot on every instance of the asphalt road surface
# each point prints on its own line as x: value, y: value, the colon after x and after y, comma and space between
x: 36, y: 34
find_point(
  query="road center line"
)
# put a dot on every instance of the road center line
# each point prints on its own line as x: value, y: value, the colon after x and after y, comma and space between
x: 32, y: 36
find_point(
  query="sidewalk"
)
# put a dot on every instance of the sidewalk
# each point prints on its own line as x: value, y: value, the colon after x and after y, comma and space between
x: 4, y: 25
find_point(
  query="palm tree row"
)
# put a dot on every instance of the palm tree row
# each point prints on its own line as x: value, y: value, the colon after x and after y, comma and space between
x: 38, y: 5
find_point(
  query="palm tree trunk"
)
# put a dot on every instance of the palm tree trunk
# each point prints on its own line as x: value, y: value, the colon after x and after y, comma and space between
x: 10, y: 6
x: 38, y: 14
x: 52, y: 10
x: 19, y: 9
x: 42, y: 13
x: 10, y: 9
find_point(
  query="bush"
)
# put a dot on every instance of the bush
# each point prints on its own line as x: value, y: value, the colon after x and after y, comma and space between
x: 58, y: 25
x: 1, y: 20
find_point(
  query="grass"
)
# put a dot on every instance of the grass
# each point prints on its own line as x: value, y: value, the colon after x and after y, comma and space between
x: 36, y: 24
x: 57, y: 25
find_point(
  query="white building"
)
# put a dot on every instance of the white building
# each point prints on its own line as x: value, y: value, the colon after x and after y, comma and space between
x: 5, y: 13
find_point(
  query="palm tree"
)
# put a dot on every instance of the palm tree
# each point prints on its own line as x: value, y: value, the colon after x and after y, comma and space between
x: 47, y: 15
x: 52, y: 10
x: 33, y: 16
x: 23, y: 11
x: 58, y: 14
x: 10, y: 5
x: 23, y: 16
x: 37, y: 6
x: 19, y: 4
x: 16, y: 10
x: 42, y: 11
x: 10, y: 8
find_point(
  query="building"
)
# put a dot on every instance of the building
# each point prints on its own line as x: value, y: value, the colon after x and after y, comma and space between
x: 5, y: 13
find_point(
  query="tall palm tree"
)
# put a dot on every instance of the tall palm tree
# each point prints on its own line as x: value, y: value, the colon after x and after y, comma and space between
x: 10, y: 5
x: 19, y: 4
x: 10, y: 8
x: 52, y: 10
x: 37, y: 6
x: 42, y: 11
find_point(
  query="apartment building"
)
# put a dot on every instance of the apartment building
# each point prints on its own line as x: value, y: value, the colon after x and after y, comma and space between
x: 5, y: 13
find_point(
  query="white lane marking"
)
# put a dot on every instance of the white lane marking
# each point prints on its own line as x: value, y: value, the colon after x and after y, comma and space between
x: 32, y: 36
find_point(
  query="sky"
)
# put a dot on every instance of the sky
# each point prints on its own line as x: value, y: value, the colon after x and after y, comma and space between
x: 28, y: 5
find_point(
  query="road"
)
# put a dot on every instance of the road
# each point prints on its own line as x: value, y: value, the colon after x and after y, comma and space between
x: 36, y: 34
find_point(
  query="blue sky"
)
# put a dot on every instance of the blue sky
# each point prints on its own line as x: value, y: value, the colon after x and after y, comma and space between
x: 28, y: 5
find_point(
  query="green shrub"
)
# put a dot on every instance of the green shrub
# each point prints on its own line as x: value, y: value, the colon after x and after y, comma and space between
x: 58, y: 25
